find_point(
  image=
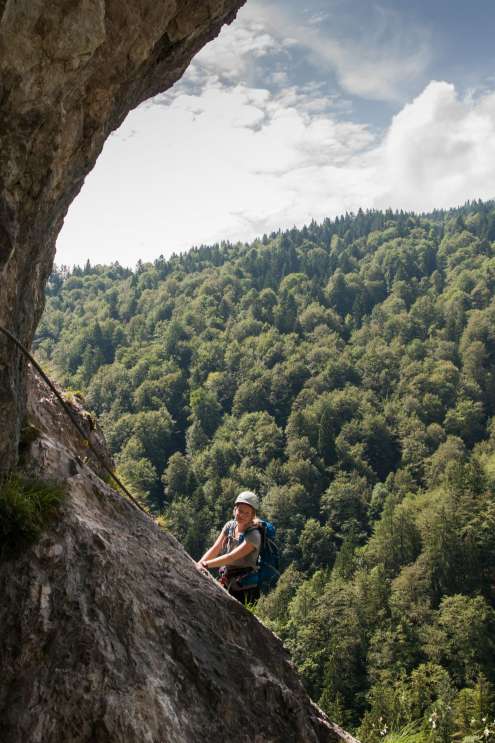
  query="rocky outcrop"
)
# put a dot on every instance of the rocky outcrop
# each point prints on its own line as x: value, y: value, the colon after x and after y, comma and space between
x: 70, y: 70
x: 111, y: 635
x: 108, y: 631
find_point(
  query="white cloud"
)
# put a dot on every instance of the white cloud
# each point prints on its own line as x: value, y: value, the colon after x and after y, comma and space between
x: 439, y: 151
x: 370, y: 71
x: 374, y: 54
x: 234, y: 162
x: 318, y: 18
x: 236, y: 51
x: 205, y: 167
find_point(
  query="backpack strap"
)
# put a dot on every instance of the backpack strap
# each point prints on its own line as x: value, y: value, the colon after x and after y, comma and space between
x: 230, y: 534
x: 262, y: 530
x: 231, y: 529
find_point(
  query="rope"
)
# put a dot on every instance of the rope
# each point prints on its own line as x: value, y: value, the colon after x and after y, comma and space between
x: 72, y: 417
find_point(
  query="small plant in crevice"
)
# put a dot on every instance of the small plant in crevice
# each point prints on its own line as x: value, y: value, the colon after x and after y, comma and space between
x: 26, y: 508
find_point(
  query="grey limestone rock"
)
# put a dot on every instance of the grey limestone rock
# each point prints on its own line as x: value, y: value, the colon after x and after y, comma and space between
x: 108, y: 631
x: 111, y: 635
x: 70, y: 71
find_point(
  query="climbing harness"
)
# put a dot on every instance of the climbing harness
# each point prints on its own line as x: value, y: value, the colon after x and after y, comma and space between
x: 229, y: 577
x: 72, y: 417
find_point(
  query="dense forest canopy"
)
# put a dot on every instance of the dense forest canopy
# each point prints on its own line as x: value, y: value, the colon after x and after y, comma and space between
x: 345, y: 372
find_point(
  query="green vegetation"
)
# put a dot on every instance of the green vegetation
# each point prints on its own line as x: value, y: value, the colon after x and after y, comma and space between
x: 346, y: 372
x: 26, y: 507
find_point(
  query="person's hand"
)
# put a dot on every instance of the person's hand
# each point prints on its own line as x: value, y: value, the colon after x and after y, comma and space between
x: 202, y: 567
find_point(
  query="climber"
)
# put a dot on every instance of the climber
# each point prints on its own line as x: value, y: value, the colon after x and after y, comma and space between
x: 236, y: 549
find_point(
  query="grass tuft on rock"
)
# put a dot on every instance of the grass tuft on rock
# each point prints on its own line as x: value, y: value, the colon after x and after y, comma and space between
x: 26, y: 508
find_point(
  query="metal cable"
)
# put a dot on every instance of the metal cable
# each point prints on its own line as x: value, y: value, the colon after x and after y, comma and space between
x: 72, y: 417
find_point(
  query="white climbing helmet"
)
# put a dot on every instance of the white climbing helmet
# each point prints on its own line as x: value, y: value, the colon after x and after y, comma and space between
x: 248, y: 497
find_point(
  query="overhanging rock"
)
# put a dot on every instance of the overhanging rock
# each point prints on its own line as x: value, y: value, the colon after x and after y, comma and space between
x: 70, y: 71
x: 108, y: 631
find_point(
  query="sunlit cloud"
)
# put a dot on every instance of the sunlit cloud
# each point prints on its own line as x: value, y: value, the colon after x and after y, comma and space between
x: 255, y: 162
x: 236, y: 52
x: 439, y: 151
x: 241, y: 146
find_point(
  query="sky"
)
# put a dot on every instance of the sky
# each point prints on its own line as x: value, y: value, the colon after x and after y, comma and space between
x: 299, y: 110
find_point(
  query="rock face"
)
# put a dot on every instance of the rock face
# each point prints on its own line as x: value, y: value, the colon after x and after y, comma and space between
x: 70, y: 70
x: 108, y: 631
x: 110, y: 634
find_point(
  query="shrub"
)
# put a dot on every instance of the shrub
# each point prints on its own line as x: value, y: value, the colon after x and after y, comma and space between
x: 26, y: 507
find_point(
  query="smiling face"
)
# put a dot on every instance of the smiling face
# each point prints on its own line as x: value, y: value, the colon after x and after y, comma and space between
x: 243, y: 513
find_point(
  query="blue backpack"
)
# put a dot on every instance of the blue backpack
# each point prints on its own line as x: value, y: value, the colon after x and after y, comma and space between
x: 267, y: 573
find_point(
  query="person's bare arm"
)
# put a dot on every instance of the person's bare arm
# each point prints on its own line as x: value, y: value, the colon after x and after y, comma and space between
x: 238, y: 553
x: 214, y: 550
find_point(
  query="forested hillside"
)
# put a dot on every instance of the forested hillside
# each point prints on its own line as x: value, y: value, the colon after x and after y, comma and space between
x: 345, y: 372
